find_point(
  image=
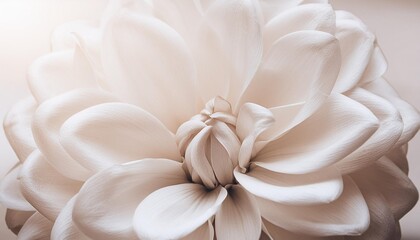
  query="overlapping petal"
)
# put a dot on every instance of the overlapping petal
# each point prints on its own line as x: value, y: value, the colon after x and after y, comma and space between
x: 15, y: 219
x: 10, y: 193
x: 114, y: 133
x: 36, y: 227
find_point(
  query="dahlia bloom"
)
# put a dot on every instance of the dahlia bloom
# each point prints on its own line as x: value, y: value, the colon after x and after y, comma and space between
x: 211, y: 119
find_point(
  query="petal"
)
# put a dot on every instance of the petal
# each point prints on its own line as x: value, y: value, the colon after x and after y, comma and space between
x: 47, y: 123
x: 45, y: 188
x: 410, y: 116
x: 399, y: 192
x: 15, y: 219
x: 205, y: 232
x: 238, y: 217
x: 36, y: 227
x: 323, y: 186
x: 348, y: 215
x: 63, y: 38
x: 399, y: 157
x: 388, y: 133
x: 252, y: 121
x: 10, y: 192
x: 357, y: 45
x: 105, y: 205
x: 319, y: 17
x: 153, y: 66
x: 160, y: 214
x: 376, y: 67
x: 229, y: 48
x: 64, y: 227
x: 59, y: 72
x: 337, y: 129
x: 17, y: 127
x: 383, y: 225
x: 114, y: 133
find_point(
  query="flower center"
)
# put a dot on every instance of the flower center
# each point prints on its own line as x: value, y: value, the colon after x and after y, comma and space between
x: 210, y: 145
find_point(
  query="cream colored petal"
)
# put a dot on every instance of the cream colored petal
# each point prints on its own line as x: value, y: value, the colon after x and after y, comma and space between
x: 238, y: 217
x: 337, y: 129
x: 383, y: 225
x: 45, y: 188
x: 228, y: 48
x: 64, y: 227
x: 252, y: 121
x: 376, y: 67
x: 319, y: 17
x: 10, y: 192
x: 105, y: 205
x: 17, y: 127
x: 15, y: 219
x: 58, y: 72
x: 114, y: 133
x: 397, y: 189
x: 399, y: 157
x: 385, y: 137
x: 410, y: 116
x: 205, y: 232
x: 348, y: 215
x: 37, y: 227
x: 176, y: 211
x: 148, y: 64
x: 319, y: 187
x: 357, y: 46
x: 47, y: 123
x: 63, y: 37
x: 114, y: 7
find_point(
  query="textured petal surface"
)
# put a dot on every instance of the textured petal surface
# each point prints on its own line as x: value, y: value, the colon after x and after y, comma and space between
x: 106, y: 203
x: 323, y: 186
x: 37, y: 227
x: 17, y: 127
x: 238, y: 217
x: 337, y: 129
x: 15, y: 219
x: 10, y: 192
x: 48, y: 120
x: 114, y: 133
x: 348, y: 215
x: 45, y: 188
x: 205, y: 232
x: 176, y: 211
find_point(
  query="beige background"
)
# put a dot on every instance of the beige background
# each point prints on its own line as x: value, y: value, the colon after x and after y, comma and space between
x: 25, y: 27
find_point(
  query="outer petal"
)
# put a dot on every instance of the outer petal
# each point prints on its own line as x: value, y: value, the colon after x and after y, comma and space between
x: 357, y: 45
x: 105, y: 205
x: 340, y: 127
x: 45, y: 188
x: 348, y: 215
x: 59, y: 72
x: 389, y: 131
x: 160, y: 214
x: 205, y: 232
x: 48, y: 120
x: 238, y: 217
x: 15, y: 219
x: 399, y: 192
x: 17, y: 127
x: 409, y: 115
x: 148, y: 64
x: 319, y: 17
x: 64, y: 227
x: 10, y: 192
x: 114, y: 133
x: 323, y: 186
x: 36, y: 227
x: 228, y: 48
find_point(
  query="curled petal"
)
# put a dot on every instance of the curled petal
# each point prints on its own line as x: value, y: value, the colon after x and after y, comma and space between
x: 48, y: 120
x: 238, y: 218
x: 15, y: 219
x: 323, y: 186
x: 160, y: 214
x: 348, y: 215
x: 45, y: 188
x: 36, y: 227
x: 114, y: 133
x: 10, y: 192
x: 17, y: 127
x: 337, y: 129
x: 105, y: 205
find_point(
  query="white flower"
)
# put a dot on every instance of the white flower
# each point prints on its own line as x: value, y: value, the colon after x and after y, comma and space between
x: 203, y: 119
